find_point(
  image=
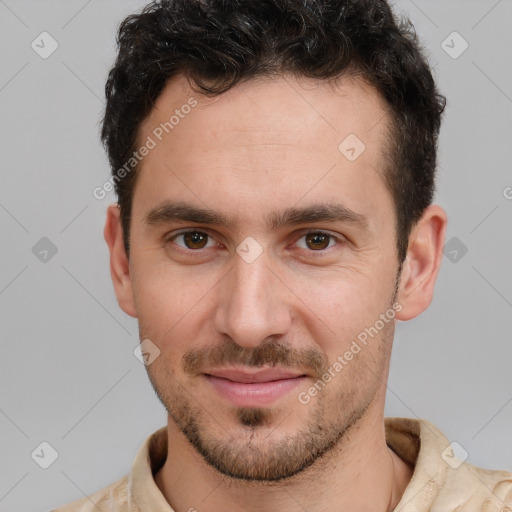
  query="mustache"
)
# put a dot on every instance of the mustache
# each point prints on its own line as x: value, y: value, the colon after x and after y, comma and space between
x: 196, y: 361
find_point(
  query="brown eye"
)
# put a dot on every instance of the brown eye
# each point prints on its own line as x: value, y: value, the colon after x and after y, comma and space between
x: 195, y: 239
x: 191, y: 240
x: 317, y: 241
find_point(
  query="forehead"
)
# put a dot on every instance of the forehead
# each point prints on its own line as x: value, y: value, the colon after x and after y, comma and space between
x: 280, y: 109
x: 267, y: 141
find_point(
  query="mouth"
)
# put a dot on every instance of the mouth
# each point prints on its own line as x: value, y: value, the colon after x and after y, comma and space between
x: 255, y: 388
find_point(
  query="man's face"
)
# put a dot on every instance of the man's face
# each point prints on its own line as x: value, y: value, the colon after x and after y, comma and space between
x: 269, y: 288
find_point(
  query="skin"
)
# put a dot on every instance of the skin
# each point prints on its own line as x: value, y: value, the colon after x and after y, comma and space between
x: 262, y: 147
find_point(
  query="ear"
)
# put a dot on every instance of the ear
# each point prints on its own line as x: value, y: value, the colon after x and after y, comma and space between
x: 119, y: 263
x: 422, y: 263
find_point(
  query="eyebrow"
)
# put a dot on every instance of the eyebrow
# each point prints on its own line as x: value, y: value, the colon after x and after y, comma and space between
x: 184, y: 212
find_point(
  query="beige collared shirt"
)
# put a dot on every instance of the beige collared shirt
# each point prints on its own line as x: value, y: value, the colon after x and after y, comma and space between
x: 440, y: 483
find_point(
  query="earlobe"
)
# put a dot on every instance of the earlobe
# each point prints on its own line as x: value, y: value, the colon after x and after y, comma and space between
x: 119, y: 262
x: 421, y: 266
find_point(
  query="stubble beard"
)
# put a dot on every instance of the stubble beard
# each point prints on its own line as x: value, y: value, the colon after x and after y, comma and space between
x: 257, y: 452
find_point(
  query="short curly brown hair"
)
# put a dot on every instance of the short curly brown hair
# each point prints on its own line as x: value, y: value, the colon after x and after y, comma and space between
x: 220, y: 43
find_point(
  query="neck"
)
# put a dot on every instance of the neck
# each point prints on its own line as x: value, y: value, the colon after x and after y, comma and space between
x: 360, y: 474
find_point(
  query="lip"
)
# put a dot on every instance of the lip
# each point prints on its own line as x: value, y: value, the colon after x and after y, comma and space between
x: 257, y: 375
x: 254, y: 388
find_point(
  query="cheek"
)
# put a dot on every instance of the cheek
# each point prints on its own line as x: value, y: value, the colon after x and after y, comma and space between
x: 170, y: 306
x: 338, y: 309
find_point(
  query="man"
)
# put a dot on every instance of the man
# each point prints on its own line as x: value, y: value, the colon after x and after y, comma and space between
x: 274, y: 163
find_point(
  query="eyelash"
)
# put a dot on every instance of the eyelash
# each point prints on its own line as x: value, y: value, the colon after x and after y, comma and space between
x: 337, y: 239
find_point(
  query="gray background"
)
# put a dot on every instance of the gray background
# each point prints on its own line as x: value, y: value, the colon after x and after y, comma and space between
x: 68, y: 373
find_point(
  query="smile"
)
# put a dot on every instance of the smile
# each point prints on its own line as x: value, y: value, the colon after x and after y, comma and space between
x: 254, y: 389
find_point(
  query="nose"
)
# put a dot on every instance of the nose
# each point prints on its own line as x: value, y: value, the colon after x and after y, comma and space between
x: 252, y: 303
